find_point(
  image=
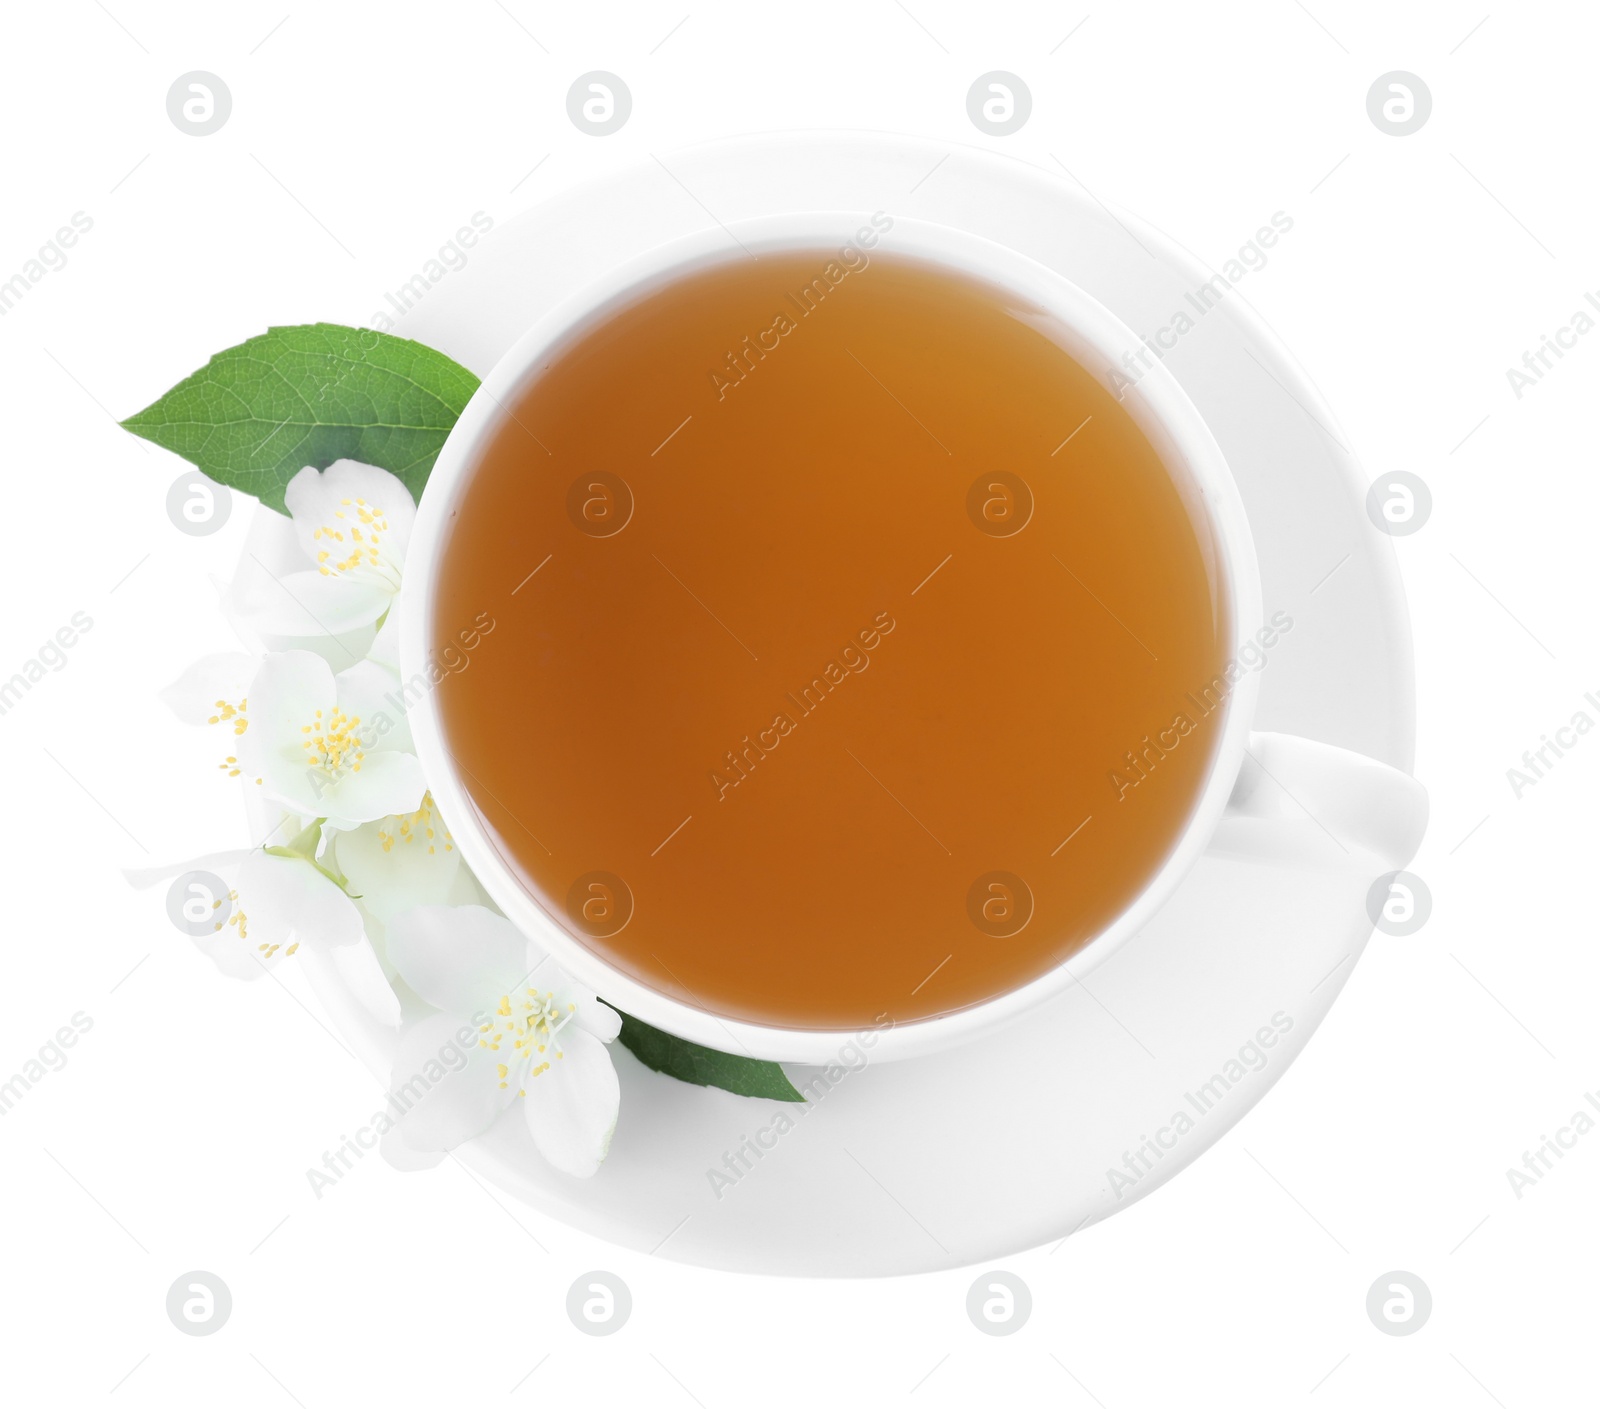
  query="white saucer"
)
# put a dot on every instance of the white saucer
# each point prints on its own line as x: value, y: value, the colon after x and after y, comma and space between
x: 1007, y: 1143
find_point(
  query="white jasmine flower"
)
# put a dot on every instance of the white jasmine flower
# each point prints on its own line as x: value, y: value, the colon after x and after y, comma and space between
x: 212, y: 690
x: 398, y: 863
x: 315, y: 732
x: 540, y: 1040
x: 322, y: 745
x: 274, y: 904
x: 353, y: 522
x: 264, y: 612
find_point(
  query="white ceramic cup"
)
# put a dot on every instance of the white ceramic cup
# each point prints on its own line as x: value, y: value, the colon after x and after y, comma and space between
x: 1315, y: 801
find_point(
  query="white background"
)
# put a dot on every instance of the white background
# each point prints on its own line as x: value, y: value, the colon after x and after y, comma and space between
x: 362, y: 136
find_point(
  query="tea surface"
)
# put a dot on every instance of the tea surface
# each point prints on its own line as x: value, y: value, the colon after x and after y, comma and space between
x: 854, y: 658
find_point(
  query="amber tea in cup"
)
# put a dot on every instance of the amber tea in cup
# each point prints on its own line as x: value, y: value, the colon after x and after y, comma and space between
x: 855, y: 656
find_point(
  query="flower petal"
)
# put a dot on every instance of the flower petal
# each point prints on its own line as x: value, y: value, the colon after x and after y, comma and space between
x: 370, y: 692
x: 288, y: 898
x: 255, y: 602
x: 461, y: 958
x: 222, y: 864
x: 571, y: 1107
x: 307, y: 603
x: 401, y: 1156
x: 314, y: 498
x: 277, y: 904
x: 288, y: 691
x: 236, y: 957
x: 398, y: 863
x: 194, y: 695
x: 347, y: 972
x: 324, y: 501
x: 596, y: 1018
x: 386, y: 644
x: 447, y: 1086
x: 388, y: 784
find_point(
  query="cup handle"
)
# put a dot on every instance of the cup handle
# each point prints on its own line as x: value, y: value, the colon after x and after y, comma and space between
x: 1363, y: 805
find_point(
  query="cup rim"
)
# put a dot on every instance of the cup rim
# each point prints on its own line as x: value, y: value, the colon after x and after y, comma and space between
x: 1096, y: 338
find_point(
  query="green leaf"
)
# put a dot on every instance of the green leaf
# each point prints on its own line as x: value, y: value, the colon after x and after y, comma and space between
x: 704, y: 1066
x: 257, y: 414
